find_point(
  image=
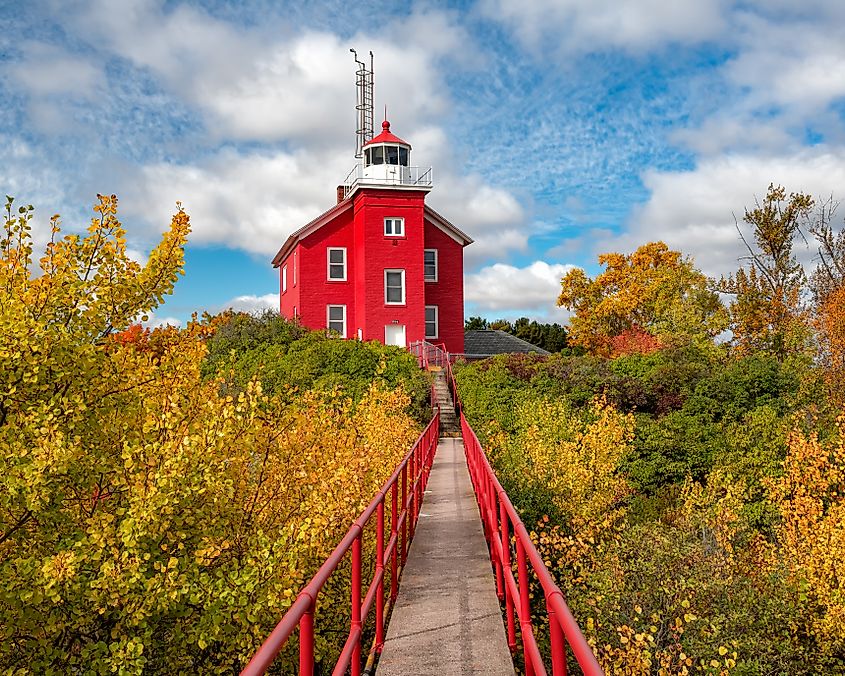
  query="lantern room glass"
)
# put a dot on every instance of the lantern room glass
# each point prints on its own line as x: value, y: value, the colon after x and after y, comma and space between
x: 387, y: 154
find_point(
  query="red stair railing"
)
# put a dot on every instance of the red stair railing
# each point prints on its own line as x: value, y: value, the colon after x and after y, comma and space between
x: 502, y: 529
x: 502, y: 526
x: 404, y: 489
x: 429, y: 354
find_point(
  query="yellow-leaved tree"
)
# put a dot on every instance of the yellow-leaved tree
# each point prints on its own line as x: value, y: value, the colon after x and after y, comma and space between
x: 149, y: 521
x: 653, y: 296
x: 810, y: 547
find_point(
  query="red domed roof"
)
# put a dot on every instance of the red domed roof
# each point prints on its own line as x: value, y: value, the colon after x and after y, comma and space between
x: 386, y: 136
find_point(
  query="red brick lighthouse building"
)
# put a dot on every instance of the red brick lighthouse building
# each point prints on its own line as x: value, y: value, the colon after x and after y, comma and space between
x: 380, y: 264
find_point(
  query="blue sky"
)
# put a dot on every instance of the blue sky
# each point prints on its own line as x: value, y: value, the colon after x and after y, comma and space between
x: 557, y: 129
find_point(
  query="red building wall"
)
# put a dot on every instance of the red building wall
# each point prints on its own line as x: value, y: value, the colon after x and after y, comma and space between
x: 290, y: 298
x: 314, y: 291
x: 447, y: 293
x: 369, y: 252
x: 380, y: 253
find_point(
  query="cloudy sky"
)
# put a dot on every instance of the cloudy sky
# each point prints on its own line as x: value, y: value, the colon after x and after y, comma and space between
x: 557, y: 129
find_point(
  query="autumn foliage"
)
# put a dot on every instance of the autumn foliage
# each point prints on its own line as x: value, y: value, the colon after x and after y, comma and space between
x: 634, y: 340
x: 654, y: 291
x: 830, y: 325
x: 693, y: 526
x: 766, y: 310
x: 155, y: 516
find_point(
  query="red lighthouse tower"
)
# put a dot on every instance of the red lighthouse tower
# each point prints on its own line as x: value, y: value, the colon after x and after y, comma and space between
x: 380, y: 264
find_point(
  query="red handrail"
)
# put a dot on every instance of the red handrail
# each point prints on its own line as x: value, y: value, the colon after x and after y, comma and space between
x: 417, y: 463
x: 499, y: 518
x: 429, y: 354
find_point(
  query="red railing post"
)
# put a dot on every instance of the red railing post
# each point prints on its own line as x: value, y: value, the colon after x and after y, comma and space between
x: 495, y: 532
x: 558, y: 646
x: 524, y: 605
x: 488, y: 531
x: 380, y: 576
x: 394, y: 536
x: 356, y: 604
x: 412, y: 488
x: 419, y: 485
x: 506, y: 565
x: 405, y: 513
x: 306, y: 642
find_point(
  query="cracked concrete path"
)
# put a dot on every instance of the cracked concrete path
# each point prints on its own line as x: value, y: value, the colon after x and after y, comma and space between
x: 447, y: 618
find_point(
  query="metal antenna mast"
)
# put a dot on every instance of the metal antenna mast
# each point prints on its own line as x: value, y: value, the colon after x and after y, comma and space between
x: 363, y: 103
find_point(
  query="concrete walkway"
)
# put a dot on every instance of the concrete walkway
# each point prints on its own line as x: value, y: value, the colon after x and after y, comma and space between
x: 447, y: 618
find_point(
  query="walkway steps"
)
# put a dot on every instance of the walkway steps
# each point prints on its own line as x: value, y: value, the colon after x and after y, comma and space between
x: 447, y: 618
x: 449, y: 424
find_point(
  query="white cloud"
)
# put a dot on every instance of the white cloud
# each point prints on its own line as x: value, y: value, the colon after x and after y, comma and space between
x: 794, y: 63
x: 248, y: 201
x: 738, y: 131
x: 264, y: 83
x: 532, y: 290
x: 780, y: 82
x: 491, y: 216
x: 693, y: 211
x: 254, y: 201
x: 47, y: 70
x: 54, y: 80
x: 567, y: 26
x: 253, y: 303
x: 154, y: 321
x: 26, y: 175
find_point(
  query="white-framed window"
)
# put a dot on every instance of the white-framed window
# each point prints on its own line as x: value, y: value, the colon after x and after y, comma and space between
x: 394, y: 227
x: 294, y: 268
x: 432, y: 322
x: 336, y: 264
x: 430, y: 265
x: 284, y: 278
x: 394, y: 287
x: 336, y: 319
x: 294, y: 312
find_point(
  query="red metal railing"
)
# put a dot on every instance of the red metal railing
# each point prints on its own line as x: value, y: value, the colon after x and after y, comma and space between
x: 404, y: 489
x: 503, y: 530
x: 429, y: 354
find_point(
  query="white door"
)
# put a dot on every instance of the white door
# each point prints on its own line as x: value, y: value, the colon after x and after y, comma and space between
x: 394, y: 334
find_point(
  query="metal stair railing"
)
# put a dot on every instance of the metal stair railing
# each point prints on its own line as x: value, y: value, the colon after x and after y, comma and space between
x: 504, y: 530
x: 404, y: 489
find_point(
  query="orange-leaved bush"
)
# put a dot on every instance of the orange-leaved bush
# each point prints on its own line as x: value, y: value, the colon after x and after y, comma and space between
x: 654, y: 289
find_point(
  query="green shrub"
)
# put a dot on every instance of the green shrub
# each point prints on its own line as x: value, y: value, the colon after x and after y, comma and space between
x: 286, y: 357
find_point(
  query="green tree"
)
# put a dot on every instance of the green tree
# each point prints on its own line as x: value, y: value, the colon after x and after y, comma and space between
x: 287, y: 358
x: 550, y: 337
x: 476, y: 324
